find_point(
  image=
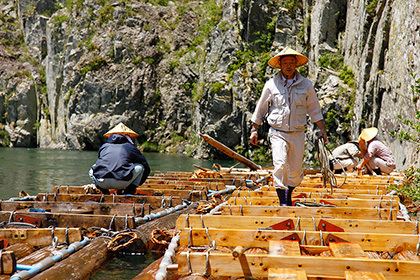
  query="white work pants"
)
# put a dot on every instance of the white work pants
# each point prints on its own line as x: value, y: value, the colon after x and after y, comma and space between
x: 347, y: 163
x: 288, y: 149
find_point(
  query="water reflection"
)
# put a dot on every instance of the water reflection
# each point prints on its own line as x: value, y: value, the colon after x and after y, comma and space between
x: 37, y: 170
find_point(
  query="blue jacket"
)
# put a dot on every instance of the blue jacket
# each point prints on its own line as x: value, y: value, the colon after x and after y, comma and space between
x: 116, y: 160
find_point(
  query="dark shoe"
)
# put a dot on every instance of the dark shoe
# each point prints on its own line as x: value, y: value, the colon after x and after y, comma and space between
x: 104, y: 191
x: 377, y: 171
x: 331, y: 165
x: 281, y: 193
x: 289, y: 196
x: 131, y: 189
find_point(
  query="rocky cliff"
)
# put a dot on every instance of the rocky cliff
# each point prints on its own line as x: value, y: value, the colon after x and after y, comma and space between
x: 171, y: 70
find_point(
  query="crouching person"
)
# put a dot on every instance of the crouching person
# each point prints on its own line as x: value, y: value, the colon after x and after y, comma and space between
x: 345, y: 157
x: 120, y: 165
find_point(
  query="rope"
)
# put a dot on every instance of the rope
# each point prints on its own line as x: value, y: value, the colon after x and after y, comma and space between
x: 311, y: 204
x: 122, y: 240
x: 327, y: 174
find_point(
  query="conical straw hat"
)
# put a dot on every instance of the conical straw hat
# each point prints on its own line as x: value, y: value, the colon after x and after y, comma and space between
x: 368, y: 133
x: 121, y: 129
x: 275, y: 60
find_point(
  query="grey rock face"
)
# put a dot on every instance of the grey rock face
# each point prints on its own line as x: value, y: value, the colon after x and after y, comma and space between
x: 160, y: 71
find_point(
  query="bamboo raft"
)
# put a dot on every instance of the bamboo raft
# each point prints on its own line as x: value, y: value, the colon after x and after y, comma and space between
x: 74, y: 230
x: 359, y: 231
x: 225, y: 223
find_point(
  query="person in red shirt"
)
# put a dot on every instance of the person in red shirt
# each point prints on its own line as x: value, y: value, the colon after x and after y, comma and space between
x: 376, y: 156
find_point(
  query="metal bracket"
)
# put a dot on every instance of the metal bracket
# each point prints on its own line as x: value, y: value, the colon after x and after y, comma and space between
x: 333, y: 238
x: 327, y: 226
x: 292, y: 237
x: 28, y: 219
x: 285, y: 225
x: 3, y: 243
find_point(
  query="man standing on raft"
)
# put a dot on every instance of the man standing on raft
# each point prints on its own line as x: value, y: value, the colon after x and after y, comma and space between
x: 287, y: 98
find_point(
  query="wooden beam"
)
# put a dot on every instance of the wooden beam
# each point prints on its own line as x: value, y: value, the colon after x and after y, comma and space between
x: 308, y: 224
x: 318, y: 195
x: 364, y: 275
x: 261, y: 238
x: 347, y: 250
x: 229, y: 152
x: 95, y: 208
x: 39, y: 237
x: 289, y: 211
x: 335, y: 191
x: 71, y: 220
x: 257, y: 265
x: 355, y: 203
x: 286, y: 274
x: 154, y: 201
x: 283, y: 247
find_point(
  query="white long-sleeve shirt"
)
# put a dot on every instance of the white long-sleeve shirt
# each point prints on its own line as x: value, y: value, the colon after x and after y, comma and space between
x: 287, y: 106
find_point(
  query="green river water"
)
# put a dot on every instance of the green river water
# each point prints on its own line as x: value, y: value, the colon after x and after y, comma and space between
x: 38, y: 170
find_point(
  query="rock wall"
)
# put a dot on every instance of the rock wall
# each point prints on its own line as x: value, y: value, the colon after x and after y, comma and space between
x: 174, y: 71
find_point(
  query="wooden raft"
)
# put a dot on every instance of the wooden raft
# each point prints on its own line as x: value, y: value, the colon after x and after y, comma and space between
x: 355, y: 233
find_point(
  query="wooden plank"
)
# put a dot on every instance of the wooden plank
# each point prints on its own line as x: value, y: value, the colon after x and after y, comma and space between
x: 286, y: 274
x: 154, y: 201
x: 335, y: 191
x: 96, y: 208
x: 361, y: 186
x: 192, y: 195
x: 284, y: 247
x: 256, y: 222
x: 229, y: 152
x: 357, y: 203
x: 74, y: 220
x: 318, y: 195
x: 146, y: 188
x: 337, y: 212
x: 39, y: 237
x: 257, y: 265
x: 347, y: 250
x: 261, y: 238
x: 364, y: 275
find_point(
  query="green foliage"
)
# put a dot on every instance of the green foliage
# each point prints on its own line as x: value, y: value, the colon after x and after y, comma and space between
x: 105, y: 14
x: 37, y: 125
x: 4, y: 138
x: 149, y: 147
x: 334, y: 61
x: 371, y: 8
x: 216, y: 87
x: 158, y: 2
x: 261, y: 154
x: 173, y: 64
x: 347, y: 76
x: 210, y: 15
x: 59, y: 19
x: 197, y: 92
x: 96, y: 64
x: 71, y: 5
x: 413, y: 125
x: 149, y: 60
x: 411, y: 187
x: 137, y: 60
x: 330, y: 120
x: 409, y: 190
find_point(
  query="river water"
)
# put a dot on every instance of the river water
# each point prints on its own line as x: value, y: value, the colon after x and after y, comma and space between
x: 38, y: 170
